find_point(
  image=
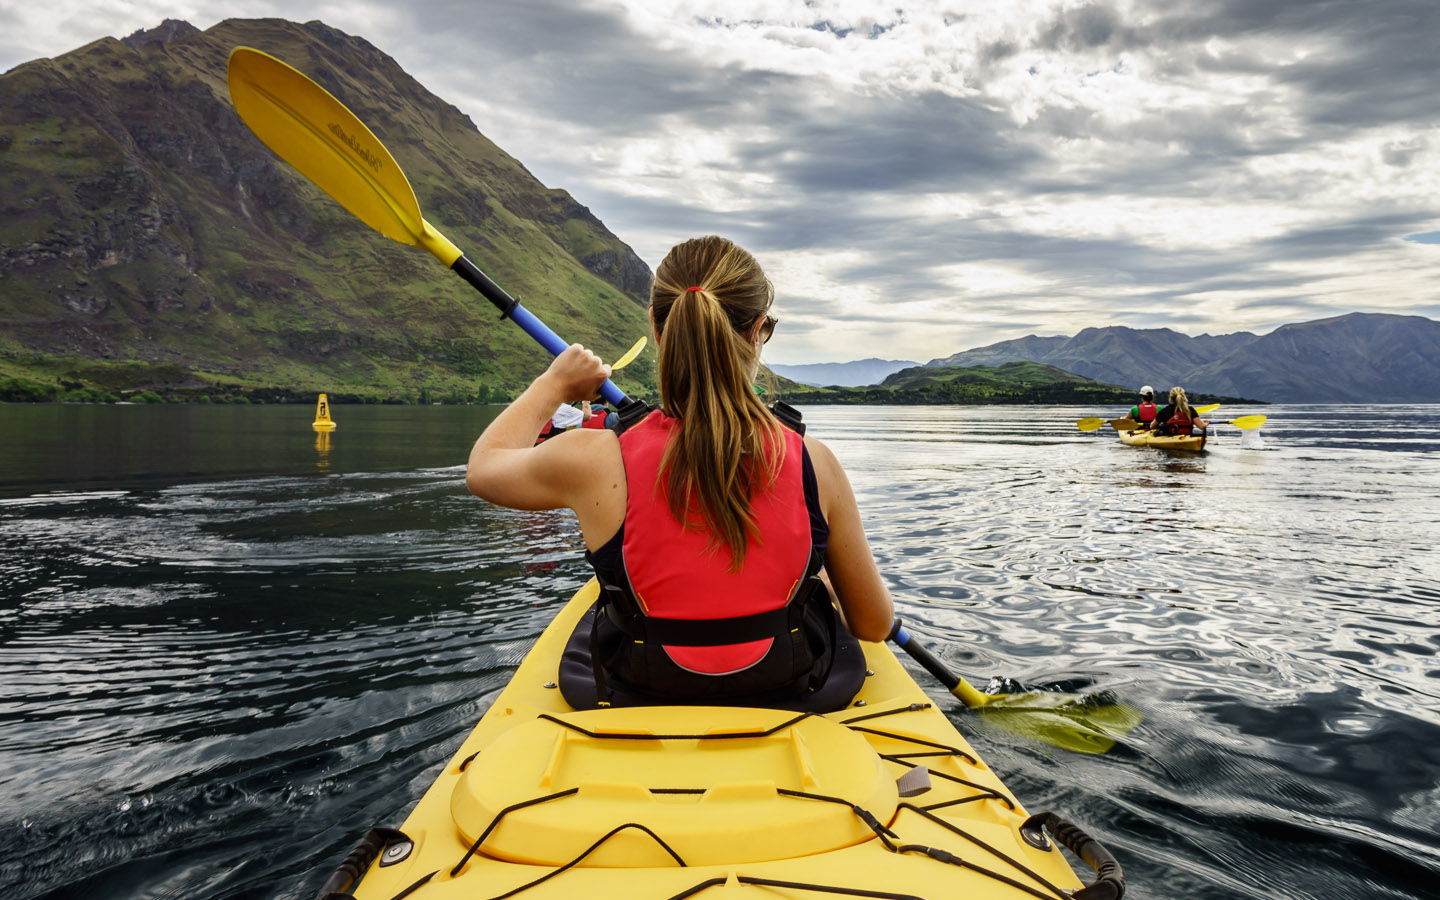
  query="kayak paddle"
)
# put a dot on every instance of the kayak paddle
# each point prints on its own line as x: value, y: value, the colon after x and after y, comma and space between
x: 328, y: 144
x: 1127, y: 424
x: 1245, y: 422
x: 1094, y: 424
x: 630, y: 354
x: 1084, y: 723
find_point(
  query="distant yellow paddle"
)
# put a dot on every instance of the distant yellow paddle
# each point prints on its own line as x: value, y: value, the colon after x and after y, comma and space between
x: 1094, y: 424
x: 328, y: 144
x: 1128, y: 424
x: 630, y: 355
x: 1246, y: 422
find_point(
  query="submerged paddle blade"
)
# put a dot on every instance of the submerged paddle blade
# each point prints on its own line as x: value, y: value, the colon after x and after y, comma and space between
x: 1249, y: 421
x: 630, y: 355
x: 1084, y: 723
x: 1126, y: 424
x: 312, y: 131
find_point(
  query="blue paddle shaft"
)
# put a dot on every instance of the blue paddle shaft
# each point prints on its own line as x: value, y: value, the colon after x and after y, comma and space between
x: 511, y: 308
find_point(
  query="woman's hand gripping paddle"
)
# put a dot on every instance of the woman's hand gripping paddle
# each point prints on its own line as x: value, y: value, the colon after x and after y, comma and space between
x: 328, y: 144
x: 1085, y: 723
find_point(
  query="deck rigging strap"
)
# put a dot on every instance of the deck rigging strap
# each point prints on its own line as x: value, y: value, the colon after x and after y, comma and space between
x: 627, y: 736
x: 793, y: 886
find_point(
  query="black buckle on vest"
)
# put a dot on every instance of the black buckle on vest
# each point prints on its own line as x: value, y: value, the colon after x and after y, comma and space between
x: 789, y: 416
x: 630, y: 412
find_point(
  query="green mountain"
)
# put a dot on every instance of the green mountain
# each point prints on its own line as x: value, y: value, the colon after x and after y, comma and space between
x: 1015, y: 382
x: 149, y: 240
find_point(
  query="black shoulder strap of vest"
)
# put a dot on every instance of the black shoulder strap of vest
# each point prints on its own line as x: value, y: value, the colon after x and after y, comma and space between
x: 789, y: 416
x: 630, y: 413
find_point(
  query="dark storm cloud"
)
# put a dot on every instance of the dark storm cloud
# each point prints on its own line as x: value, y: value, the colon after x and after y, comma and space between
x: 1379, y: 65
x: 584, y: 65
x: 931, y: 142
x: 1342, y: 238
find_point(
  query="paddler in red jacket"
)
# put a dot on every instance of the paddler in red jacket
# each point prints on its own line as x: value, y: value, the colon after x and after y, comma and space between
x: 1145, y: 411
x: 1177, y: 417
x: 716, y: 531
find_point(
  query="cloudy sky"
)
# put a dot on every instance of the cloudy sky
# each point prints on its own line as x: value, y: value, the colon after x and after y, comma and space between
x: 921, y: 179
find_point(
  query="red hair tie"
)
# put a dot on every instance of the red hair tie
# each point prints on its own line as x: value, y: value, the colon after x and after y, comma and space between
x: 694, y: 289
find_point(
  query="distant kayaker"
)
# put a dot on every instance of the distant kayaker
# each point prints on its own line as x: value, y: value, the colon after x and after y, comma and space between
x: 562, y: 420
x: 1177, y: 417
x: 708, y: 522
x: 1145, y: 411
x: 596, y: 415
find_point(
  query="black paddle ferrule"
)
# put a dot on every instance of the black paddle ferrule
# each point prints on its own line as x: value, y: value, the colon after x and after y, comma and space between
x: 485, y: 285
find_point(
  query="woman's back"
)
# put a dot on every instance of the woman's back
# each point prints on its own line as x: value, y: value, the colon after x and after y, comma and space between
x: 718, y: 506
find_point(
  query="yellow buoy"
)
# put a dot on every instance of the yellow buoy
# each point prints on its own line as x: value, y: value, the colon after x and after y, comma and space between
x: 323, y: 421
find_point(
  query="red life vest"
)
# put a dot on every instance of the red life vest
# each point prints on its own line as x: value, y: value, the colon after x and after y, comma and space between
x: 1147, y: 411
x: 1179, y: 422
x: 595, y: 421
x: 673, y: 571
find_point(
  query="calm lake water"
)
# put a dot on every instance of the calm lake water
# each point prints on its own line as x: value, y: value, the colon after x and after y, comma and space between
x: 228, y: 648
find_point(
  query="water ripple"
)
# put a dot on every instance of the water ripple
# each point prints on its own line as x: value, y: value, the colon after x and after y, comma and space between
x: 210, y: 687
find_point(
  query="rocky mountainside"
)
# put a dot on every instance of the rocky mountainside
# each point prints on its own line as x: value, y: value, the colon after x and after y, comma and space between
x: 1369, y: 357
x: 1360, y: 357
x: 850, y: 374
x: 148, y: 239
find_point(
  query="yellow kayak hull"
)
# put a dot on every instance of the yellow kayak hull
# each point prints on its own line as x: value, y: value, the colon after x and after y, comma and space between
x: 749, y: 800
x: 1192, y: 442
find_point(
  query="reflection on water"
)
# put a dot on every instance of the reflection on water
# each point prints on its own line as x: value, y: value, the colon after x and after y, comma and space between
x: 227, y: 648
x: 322, y: 449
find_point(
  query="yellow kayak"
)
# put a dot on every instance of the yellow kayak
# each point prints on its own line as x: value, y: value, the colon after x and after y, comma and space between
x: 1141, y: 438
x: 883, y: 799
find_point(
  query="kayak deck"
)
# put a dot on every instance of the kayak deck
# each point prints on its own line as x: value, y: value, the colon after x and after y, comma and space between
x: 542, y: 801
x: 1142, y: 438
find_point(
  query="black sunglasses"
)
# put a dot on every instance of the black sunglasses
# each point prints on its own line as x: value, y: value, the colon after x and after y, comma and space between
x: 768, y: 329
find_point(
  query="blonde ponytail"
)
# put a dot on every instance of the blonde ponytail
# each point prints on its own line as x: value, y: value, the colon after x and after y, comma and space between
x: 707, y: 299
x: 1180, y: 402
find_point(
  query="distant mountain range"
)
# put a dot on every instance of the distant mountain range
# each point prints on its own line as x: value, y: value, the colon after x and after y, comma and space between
x: 1012, y: 382
x: 850, y: 374
x: 1360, y: 357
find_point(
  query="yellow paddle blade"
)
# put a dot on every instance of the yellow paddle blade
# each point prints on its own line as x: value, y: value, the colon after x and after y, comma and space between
x: 1078, y: 722
x: 1084, y: 723
x: 630, y: 355
x: 1202, y: 410
x: 328, y: 144
x: 1126, y: 424
x: 1249, y: 421
x: 1090, y: 424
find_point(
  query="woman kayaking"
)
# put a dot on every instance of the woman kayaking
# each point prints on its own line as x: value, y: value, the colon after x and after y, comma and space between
x: 717, y: 533
x: 1176, y: 417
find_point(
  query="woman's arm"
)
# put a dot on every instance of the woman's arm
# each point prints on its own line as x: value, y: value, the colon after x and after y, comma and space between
x: 848, y: 560
x: 505, y: 466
